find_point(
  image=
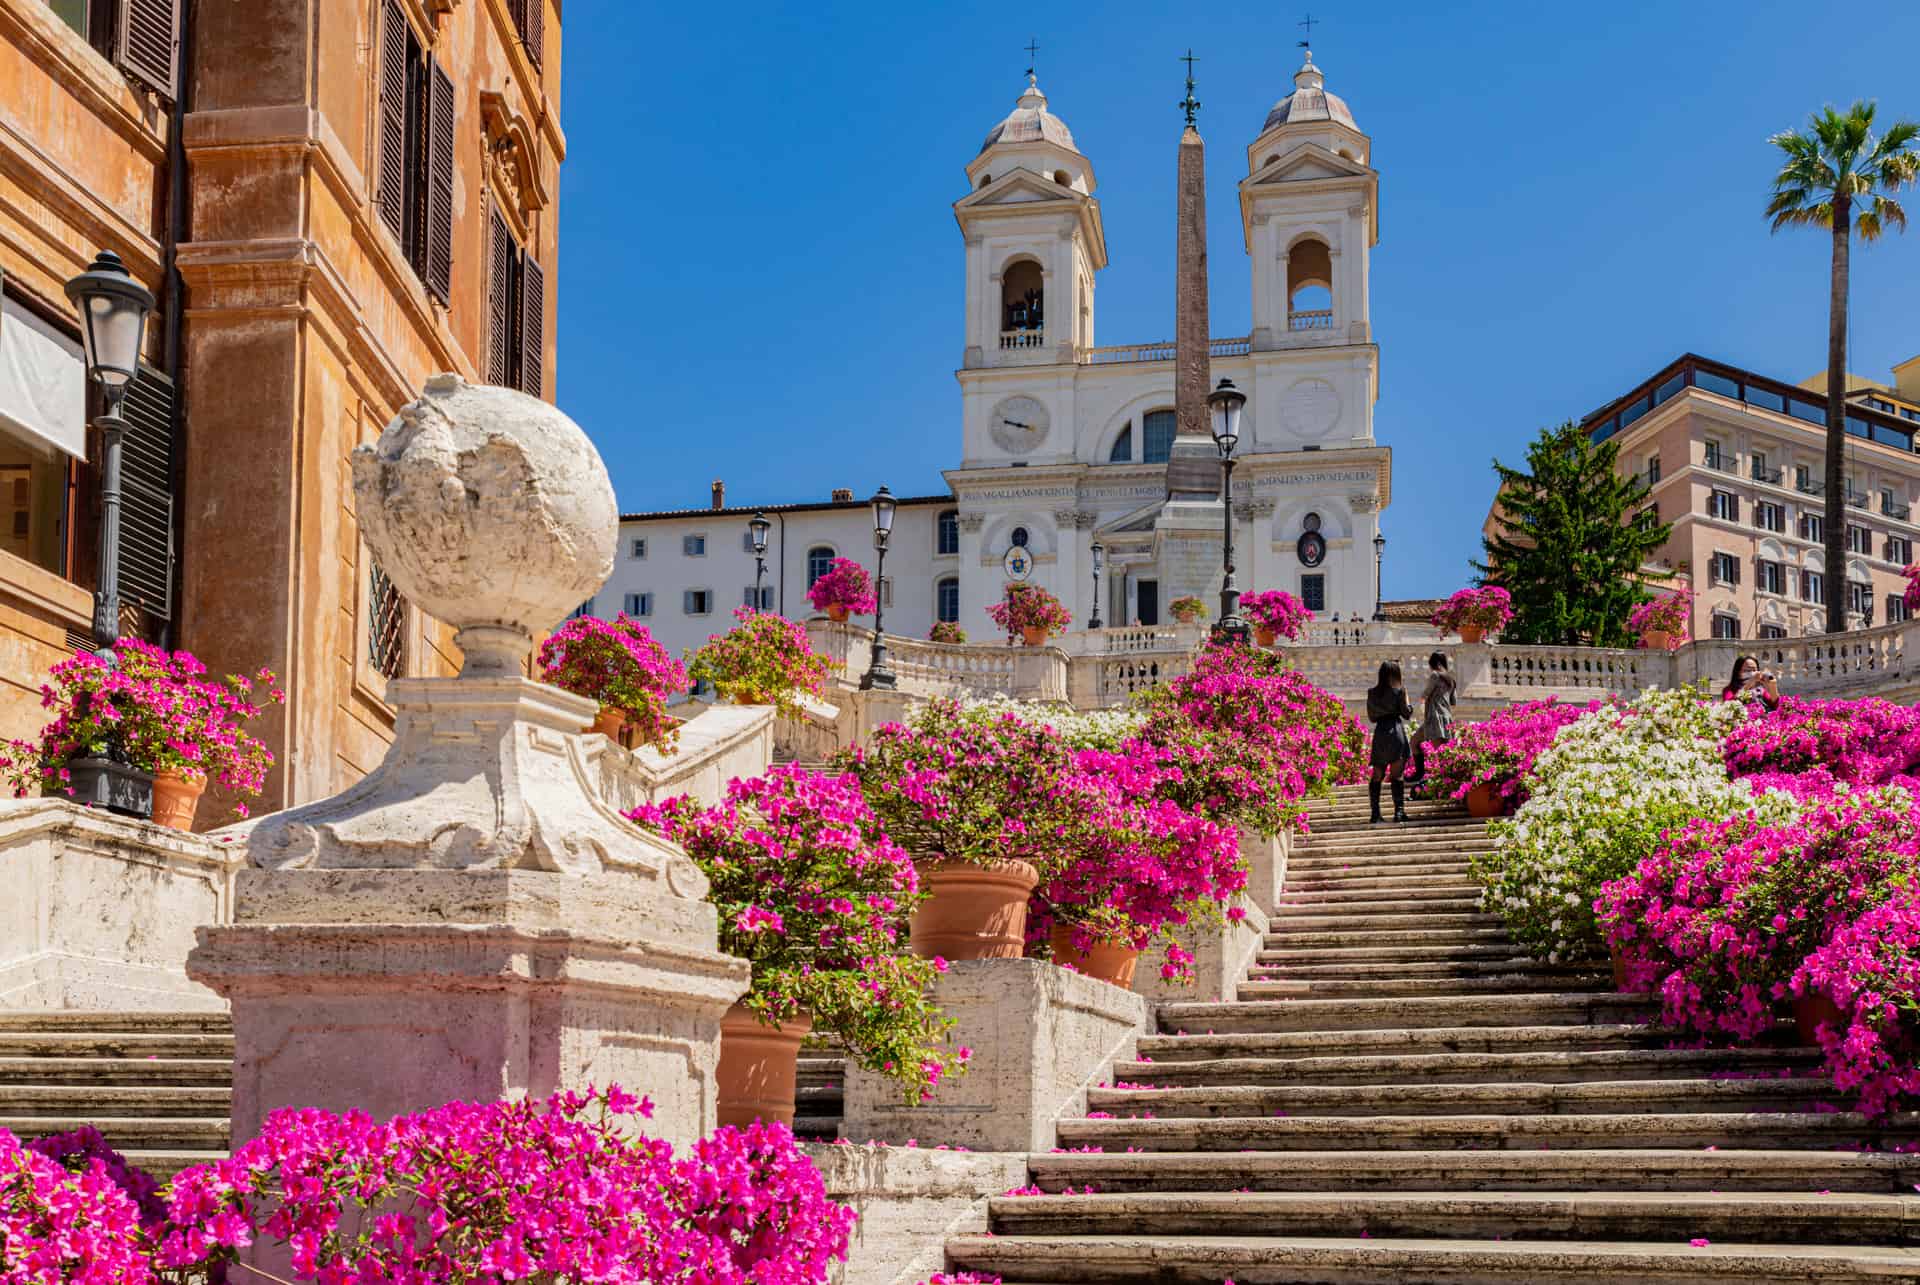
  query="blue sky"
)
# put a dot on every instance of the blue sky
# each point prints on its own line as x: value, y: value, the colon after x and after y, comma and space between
x: 761, y: 276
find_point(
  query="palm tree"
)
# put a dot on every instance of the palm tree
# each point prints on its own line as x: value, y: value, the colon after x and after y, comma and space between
x: 1838, y: 175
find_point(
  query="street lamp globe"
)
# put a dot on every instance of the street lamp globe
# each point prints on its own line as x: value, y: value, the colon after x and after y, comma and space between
x: 1099, y: 556
x: 113, y: 320
x: 1226, y: 402
x: 883, y: 506
x: 879, y: 675
x: 759, y: 526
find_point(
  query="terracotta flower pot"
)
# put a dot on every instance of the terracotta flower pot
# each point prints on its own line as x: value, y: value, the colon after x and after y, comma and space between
x: 755, y: 1078
x: 1472, y: 633
x: 1033, y: 635
x: 1482, y: 802
x: 175, y: 799
x: 973, y: 911
x: 838, y: 615
x: 1809, y: 1011
x: 1263, y: 636
x: 1102, y: 960
x: 1656, y: 640
x: 609, y: 723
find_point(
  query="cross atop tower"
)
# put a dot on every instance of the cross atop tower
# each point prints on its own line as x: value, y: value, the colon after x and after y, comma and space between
x: 1308, y: 22
x: 1189, y: 104
x: 1033, y: 60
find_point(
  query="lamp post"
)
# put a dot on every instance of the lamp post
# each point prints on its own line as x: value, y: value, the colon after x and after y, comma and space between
x: 113, y: 320
x: 1226, y: 402
x: 878, y: 675
x: 1099, y: 551
x: 757, y: 528
x: 1379, y: 554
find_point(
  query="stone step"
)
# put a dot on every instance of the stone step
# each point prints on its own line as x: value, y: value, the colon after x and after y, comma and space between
x: 131, y: 1134
x: 1576, y: 1009
x: 119, y: 1100
x: 1206, y: 1260
x: 70, y: 1044
x: 1379, y: 937
x: 1795, y: 1217
x: 1389, y: 970
x: 1201, y: 1042
x: 819, y: 1096
x: 165, y: 1164
x: 1489, y: 952
x: 114, y: 1022
x: 116, y: 1070
x: 1511, y: 982
x: 1350, y: 876
x: 1286, y: 924
x: 1784, y: 1129
x: 1409, y: 1097
x: 1391, y: 836
x: 1347, y: 909
x: 1406, y: 892
x: 1530, y: 1169
x: 1551, y: 1067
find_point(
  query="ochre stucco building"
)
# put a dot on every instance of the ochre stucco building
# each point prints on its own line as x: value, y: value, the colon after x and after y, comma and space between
x: 331, y: 200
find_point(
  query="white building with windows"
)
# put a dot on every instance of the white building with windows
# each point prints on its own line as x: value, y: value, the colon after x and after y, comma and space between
x: 1064, y: 442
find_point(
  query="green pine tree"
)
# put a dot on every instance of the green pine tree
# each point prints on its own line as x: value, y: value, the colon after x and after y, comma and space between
x: 1570, y: 543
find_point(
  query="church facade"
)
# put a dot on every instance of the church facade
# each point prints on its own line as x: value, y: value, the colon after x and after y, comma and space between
x: 1064, y: 442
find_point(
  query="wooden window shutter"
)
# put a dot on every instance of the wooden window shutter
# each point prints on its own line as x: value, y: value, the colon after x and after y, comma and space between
x: 500, y: 318
x: 439, y: 259
x: 391, y: 190
x: 533, y: 326
x: 146, y: 482
x: 148, y: 43
x: 532, y: 15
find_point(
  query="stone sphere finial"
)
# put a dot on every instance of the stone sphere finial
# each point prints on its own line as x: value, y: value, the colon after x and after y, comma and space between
x: 490, y: 510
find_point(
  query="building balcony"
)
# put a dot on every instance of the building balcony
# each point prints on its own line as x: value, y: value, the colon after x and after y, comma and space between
x: 1119, y: 353
x: 1859, y: 500
x: 1810, y: 486
x: 1771, y: 476
x: 1720, y: 464
x: 1026, y: 337
x: 1313, y: 319
x: 1895, y: 509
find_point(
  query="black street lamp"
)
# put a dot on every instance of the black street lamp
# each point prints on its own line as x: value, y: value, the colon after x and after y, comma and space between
x: 1379, y: 554
x: 878, y: 675
x: 1099, y: 552
x: 113, y: 320
x: 1226, y: 402
x: 757, y: 528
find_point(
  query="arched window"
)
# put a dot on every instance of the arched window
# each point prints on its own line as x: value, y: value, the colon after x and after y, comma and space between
x: 946, y: 598
x: 1023, y: 303
x: 1310, y: 286
x: 947, y: 533
x: 1122, y: 452
x: 819, y: 561
x: 1158, y: 427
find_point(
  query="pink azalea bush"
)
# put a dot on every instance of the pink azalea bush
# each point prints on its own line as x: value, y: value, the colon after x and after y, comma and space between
x: 1489, y: 607
x: 1499, y: 751
x: 157, y: 710
x: 1276, y: 609
x: 619, y: 664
x: 1827, y: 744
x: 1028, y: 606
x: 845, y: 584
x: 1870, y: 969
x: 1912, y: 595
x: 763, y: 660
x: 1668, y: 613
x: 563, y: 1189
x: 816, y: 897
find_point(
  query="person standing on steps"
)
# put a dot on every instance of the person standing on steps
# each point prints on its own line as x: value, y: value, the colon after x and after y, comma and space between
x: 1388, y: 710
x: 1436, y: 727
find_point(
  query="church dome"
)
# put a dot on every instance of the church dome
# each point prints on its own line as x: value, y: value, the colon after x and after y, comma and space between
x: 1309, y: 102
x: 1031, y: 122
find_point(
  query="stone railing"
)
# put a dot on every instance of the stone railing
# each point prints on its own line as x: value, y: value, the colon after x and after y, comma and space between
x: 1163, y: 351
x: 1311, y: 319
x: 942, y: 669
x: 716, y: 744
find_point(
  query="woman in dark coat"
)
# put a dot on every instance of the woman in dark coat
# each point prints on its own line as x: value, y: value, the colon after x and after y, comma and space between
x: 1388, y: 710
x: 1437, y: 727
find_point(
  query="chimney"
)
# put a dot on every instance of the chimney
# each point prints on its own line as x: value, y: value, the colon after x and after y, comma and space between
x: 719, y: 494
x: 843, y: 495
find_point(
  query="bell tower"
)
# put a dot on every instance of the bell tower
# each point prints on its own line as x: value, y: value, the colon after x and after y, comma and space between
x: 1034, y: 242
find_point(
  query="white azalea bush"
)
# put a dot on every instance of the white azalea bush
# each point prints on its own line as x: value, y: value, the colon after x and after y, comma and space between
x: 1101, y: 729
x: 1599, y: 799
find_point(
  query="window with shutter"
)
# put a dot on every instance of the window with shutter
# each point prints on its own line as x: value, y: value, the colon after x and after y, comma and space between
x: 146, y: 495
x: 148, y: 43
x: 438, y: 274
x: 391, y: 193
x: 502, y: 256
x: 533, y: 326
x: 530, y: 20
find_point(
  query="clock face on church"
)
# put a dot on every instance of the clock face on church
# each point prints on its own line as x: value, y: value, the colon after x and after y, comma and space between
x: 1019, y: 425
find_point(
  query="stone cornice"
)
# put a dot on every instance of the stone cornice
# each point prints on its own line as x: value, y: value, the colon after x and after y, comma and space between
x: 97, y: 222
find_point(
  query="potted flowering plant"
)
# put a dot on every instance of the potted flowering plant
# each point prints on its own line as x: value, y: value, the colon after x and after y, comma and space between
x: 1486, y: 764
x: 1912, y: 595
x: 1474, y: 613
x: 844, y: 589
x: 946, y: 631
x: 972, y: 796
x: 763, y: 660
x: 1661, y: 622
x: 143, y: 732
x: 1031, y: 612
x: 1187, y: 609
x: 620, y: 665
x: 1274, y: 614
x: 812, y: 892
